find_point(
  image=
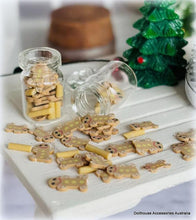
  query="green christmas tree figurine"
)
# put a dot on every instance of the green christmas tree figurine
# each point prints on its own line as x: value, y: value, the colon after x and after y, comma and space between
x: 156, y: 55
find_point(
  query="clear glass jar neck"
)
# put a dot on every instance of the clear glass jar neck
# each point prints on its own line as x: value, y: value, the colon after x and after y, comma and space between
x: 88, y: 97
x: 46, y: 55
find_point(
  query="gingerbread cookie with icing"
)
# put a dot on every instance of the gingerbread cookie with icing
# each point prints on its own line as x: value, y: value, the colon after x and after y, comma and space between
x: 97, y: 161
x: 110, y: 131
x: 41, y: 153
x: 98, y: 120
x: 59, y: 132
x: 41, y: 135
x: 77, y: 160
x: 122, y: 171
x: 101, y: 137
x: 153, y: 167
x: 64, y: 183
x: 147, y: 146
x: 145, y: 125
x: 93, y: 132
x: 68, y: 128
x: 17, y: 129
x: 120, y: 150
x: 80, y: 143
x: 186, y: 149
x: 103, y: 175
x: 187, y: 136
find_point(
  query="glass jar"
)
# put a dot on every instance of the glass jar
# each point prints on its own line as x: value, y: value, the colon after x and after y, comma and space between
x: 101, y: 91
x: 42, y: 85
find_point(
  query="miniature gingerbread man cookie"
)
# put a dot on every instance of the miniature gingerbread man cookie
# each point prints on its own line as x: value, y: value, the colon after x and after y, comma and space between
x: 93, y: 131
x: 68, y: 128
x: 102, y: 127
x: 98, y: 135
x: 97, y: 120
x: 101, y: 137
x: 145, y: 125
x: 64, y: 183
x: 97, y: 161
x: 41, y: 135
x: 77, y: 161
x: 110, y: 131
x: 122, y: 171
x: 41, y: 153
x: 120, y: 150
x: 103, y: 175
x: 17, y: 129
x: 153, y: 167
x: 58, y: 132
x: 147, y: 146
x: 80, y: 143
x: 186, y: 136
x: 40, y: 74
x: 186, y: 149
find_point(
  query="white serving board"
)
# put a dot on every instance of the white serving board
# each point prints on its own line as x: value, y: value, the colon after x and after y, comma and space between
x: 165, y: 106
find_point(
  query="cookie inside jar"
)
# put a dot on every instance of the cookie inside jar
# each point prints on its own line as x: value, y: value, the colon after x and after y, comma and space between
x: 42, y: 85
x: 100, y: 91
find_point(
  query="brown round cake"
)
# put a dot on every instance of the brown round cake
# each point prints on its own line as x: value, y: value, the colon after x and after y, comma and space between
x: 81, y: 31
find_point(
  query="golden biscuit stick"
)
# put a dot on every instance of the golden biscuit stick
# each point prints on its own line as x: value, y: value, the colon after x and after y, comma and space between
x: 30, y: 92
x: 52, y: 111
x: 66, y: 154
x: 29, y: 107
x: 34, y: 114
x: 97, y: 108
x: 19, y: 147
x: 59, y: 90
x: 99, y: 151
x: 132, y: 134
x: 58, y: 109
x: 86, y: 169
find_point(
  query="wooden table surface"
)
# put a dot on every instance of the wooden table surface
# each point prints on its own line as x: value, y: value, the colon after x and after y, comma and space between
x: 166, y: 106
